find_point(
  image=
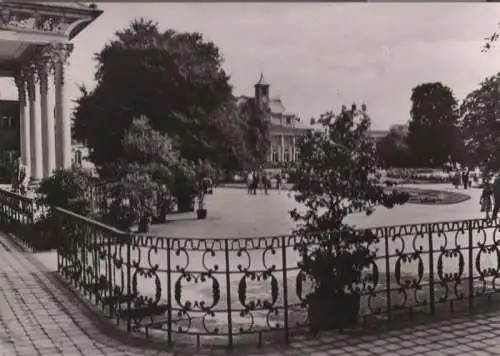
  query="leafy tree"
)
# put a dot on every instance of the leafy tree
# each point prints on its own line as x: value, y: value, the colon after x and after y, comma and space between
x: 335, y: 177
x: 433, y: 126
x: 256, y: 131
x: 176, y: 80
x: 393, y: 150
x: 336, y: 173
x: 480, y: 121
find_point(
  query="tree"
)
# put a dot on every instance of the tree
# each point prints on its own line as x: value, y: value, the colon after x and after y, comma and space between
x: 393, y: 150
x: 176, y: 80
x: 433, y: 126
x: 336, y: 176
x: 480, y: 123
x: 256, y: 131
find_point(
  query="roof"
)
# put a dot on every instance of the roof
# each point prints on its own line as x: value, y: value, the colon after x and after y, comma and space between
x: 262, y: 81
x: 378, y: 133
x: 79, y: 5
x: 276, y: 106
x: 276, y: 129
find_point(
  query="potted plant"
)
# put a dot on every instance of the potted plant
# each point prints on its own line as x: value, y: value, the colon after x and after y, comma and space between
x: 133, y: 199
x: 203, y: 174
x: 334, y: 177
x: 184, y: 188
x: 201, y: 212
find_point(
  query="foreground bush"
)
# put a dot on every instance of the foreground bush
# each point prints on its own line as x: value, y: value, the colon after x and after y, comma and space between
x: 68, y: 189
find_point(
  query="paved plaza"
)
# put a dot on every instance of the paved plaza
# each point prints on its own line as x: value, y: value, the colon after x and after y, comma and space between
x: 234, y: 213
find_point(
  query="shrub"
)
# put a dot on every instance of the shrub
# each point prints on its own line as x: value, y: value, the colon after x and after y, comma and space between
x: 67, y: 189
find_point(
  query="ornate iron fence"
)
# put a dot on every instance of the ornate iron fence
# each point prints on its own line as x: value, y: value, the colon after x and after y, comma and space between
x: 212, y: 291
x: 31, y: 223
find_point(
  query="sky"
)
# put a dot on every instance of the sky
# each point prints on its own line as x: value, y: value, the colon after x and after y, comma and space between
x: 318, y: 56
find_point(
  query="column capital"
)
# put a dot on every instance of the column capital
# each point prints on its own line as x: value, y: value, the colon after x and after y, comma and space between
x: 43, y: 69
x: 20, y: 80
x: 30, y: 71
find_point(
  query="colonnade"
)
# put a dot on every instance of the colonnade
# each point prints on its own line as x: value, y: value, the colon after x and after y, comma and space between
x: 282, y: 148
x: 45, y: 135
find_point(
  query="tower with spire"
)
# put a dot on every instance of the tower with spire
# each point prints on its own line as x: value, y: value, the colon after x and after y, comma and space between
x: 262, y: 91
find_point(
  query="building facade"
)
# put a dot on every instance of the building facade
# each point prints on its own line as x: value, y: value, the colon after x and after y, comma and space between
x: 284, y: 128
x: 35, y: 44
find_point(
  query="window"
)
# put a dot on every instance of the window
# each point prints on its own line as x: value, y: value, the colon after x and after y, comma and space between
x: 275, y: 155
x: 10, y: 156
x: 6, y: 122
x: 288, y: 120
x: 265, y: 91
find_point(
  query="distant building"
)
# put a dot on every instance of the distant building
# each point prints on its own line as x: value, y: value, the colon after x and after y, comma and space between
x: 284, y: 127
x: 9, y: 131
x: 9, y: 138
x: 378, y: 134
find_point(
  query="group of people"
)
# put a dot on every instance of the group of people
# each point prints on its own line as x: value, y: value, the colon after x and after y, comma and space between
x: 490, y: 197
x: 462, y: 178
x: 260, y: 179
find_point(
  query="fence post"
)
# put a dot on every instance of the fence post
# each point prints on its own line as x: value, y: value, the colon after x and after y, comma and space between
x: 432, y: 295
x: 111, y: 238
x: 471, y: 266
x: 388, y: 273
x: 169, y: 289
x: 128, y: 240
x: 57, y: 232
x: 285, y: 286
x: 228, y: 295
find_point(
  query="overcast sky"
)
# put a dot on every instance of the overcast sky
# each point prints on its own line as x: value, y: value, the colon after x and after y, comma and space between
x: 320, y: 56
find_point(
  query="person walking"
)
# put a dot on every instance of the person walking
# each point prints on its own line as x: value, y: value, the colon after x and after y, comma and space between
x: 278, y: 182
x: 265, y: 183
x: 485, y: 200
x: 255, y: 182
x: 249, y: 182
x: 465, y: 178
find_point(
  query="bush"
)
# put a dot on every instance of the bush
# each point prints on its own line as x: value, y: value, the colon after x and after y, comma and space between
x: 67, y: 189
x: 133, y: 199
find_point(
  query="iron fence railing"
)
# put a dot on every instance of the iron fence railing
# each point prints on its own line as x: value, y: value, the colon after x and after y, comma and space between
x: 31, y: 223
x: 212, y: 291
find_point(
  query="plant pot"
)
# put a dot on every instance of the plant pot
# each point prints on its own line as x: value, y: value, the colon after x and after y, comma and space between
x: 201, y: 214
x: 144, y: 224
x: 333, y: 310
x: 185, y: 205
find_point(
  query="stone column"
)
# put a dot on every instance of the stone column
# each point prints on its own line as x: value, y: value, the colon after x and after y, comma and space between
x: 62, y: 120
x: 270, y: 150
x: 294, y: 149
x: 35, y: 129
x: 282, y: 158
x: 47, y: 121
x: 24, y: 122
